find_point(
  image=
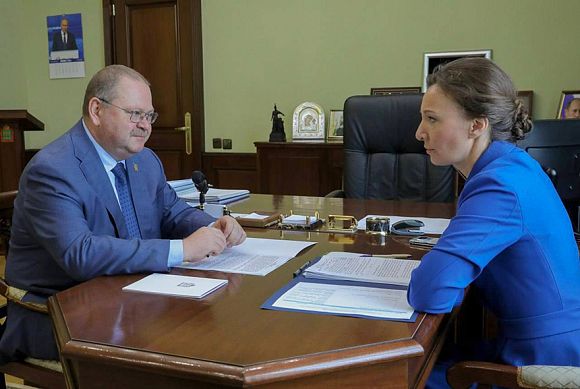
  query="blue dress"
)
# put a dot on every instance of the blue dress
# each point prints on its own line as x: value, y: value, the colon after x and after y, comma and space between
x: 511, y: 238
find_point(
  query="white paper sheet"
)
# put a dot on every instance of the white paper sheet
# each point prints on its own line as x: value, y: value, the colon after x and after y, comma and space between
x: 175, y: 285
x: 432, y: 225
x: 255, y: 256
x: 299, y: 219
x: 360, y: 267
x: 353, y: 300
x: 253, y: 215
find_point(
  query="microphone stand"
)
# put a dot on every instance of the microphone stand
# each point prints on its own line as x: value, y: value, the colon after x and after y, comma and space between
x: 201, y: 200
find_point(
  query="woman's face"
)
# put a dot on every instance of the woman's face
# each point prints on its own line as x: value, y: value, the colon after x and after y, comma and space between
x: 444, y: 129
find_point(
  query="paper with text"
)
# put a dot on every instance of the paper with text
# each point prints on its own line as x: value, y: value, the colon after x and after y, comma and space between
x: 349, y: 300
x: 361, y: 267
x: 255, y: 256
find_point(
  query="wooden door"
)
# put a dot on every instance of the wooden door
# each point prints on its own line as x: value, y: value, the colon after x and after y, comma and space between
x: 162, y: 40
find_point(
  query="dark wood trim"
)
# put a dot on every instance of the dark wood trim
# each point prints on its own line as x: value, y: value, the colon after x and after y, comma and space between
x: 196, y: 66
x: 231, y: 170
x: 12, y: 153
x: 299, y: 168
x: 108, y: 31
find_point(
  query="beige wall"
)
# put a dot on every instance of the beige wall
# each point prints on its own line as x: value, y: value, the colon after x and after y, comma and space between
x: 57, y: 103
x: 261, y: 52
x: 12, y: 78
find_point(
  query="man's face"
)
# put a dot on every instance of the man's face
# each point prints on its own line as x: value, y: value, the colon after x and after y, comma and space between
x: 116, y: 133
x: 64, y: 25
x: 573, y: 110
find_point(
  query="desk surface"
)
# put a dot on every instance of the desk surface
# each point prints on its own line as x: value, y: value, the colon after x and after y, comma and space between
x: 226, y: 339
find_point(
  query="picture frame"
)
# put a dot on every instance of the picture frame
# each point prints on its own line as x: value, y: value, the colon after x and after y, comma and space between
x: 335, y: 126
x: 527, y: 98
x: 308, y: 122
x: 432, y: 60
x: 385, y: 91
x: 566, y: 97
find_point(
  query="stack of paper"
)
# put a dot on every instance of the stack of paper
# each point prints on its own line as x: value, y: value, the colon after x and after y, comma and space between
x: 343, y: 300
x: 173, y: 285
x: 187, y: 191
x: 362, y: 268
x: 349, y: 284
x: 299, y: 220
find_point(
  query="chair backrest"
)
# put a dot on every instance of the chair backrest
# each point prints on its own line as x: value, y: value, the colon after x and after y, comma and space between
x: 382, y: 158
x: 555, y: 144
x: 6, y: 208
x: 40, y: 373
x: 463, y: 375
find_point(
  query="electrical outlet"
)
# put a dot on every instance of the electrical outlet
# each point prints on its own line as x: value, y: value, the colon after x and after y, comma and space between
x: 227, y: 143
x: 217, y: 143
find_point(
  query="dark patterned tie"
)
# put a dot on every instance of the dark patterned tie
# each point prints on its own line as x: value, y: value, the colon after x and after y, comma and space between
x: 125, y: 201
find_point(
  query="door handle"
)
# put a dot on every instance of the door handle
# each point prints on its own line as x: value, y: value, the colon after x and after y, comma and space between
x: 187, y: 130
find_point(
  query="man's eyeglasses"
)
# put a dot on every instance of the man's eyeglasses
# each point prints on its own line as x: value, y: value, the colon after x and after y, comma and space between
x: 136, y: 116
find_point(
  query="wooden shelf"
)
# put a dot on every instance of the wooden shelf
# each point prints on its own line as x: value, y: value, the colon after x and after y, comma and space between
x: 299, y: 168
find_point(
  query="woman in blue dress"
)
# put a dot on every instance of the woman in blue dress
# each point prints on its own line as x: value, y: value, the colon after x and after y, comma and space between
x: 511, y: 237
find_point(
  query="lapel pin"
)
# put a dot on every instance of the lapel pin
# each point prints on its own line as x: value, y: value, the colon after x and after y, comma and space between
x: 135, y: 167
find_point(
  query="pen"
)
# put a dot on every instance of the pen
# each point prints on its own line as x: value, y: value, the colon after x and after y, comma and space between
x: 396, y: 256
x: 301, y: 269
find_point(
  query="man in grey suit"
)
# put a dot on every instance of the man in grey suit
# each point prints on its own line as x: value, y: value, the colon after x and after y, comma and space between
x: 63, y: 39
x: 96, y: 202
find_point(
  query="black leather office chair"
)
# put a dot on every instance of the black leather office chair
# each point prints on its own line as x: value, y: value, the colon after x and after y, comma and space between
x: 382, y: 158
x: 555, y: 144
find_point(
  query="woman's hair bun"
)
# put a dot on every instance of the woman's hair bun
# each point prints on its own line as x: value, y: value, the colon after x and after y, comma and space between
x: 522, y: 121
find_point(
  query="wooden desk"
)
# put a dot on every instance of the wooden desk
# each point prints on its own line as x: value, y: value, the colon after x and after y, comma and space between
x: 110, y: 338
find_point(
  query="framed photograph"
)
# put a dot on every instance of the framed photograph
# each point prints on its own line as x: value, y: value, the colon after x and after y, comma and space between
x: 308, y: 122
x: 527, y: 98
x: 335, y: 126
x: 569, y: 102
x: 432, y: 60
x: 395, y: 91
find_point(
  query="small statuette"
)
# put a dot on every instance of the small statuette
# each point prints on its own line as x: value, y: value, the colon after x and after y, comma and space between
x: 277, y: 134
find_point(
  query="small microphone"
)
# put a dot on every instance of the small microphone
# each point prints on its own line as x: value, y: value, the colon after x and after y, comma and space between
x: 200, y: 183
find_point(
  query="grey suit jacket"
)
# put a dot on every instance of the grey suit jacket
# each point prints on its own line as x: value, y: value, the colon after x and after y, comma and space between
x: 68, y: 228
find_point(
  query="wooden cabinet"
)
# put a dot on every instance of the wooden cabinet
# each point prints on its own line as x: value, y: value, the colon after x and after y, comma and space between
x: 299, y: 168
x: 12, y: 157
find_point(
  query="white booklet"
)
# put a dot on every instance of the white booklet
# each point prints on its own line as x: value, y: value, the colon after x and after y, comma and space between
x: 362, y: 268
x: 175, y: 285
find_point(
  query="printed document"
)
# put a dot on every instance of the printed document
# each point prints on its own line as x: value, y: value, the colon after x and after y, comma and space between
x: 255, y: 256
x: 432, y: 225
x: 346, y: 300
x: 363, y: 268
x: 175, y: 285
